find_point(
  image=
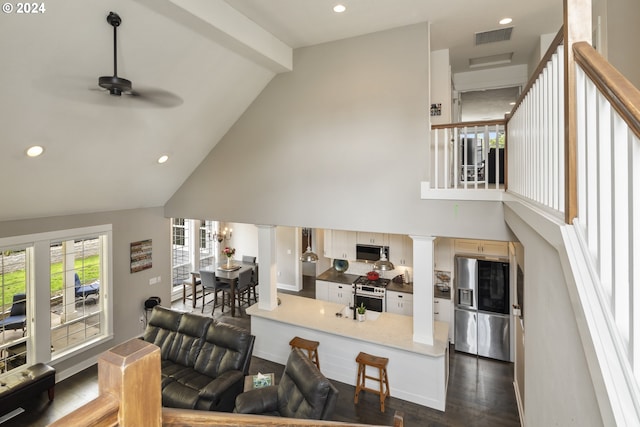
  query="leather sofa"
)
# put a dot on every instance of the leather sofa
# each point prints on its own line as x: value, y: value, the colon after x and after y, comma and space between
x: 203, y: 362
x: 303, y: 392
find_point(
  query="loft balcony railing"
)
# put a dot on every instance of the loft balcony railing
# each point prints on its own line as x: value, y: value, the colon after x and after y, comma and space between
x: 468, y: 155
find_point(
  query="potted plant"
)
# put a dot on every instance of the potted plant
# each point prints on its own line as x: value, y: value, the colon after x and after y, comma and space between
x: 361, y: 310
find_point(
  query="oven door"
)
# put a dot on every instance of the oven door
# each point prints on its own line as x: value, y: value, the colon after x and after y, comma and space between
x: 373, y: 303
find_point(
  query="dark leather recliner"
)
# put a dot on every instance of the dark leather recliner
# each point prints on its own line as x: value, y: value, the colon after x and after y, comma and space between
x: 303, y: 392
x: 203, y: 362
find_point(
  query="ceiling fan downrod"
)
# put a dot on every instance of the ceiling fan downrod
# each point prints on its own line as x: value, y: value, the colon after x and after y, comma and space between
x: 114, y: 84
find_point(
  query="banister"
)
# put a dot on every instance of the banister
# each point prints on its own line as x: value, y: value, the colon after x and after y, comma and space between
x: 553, y: 47
x: 100, y: 412
x: 469, y: 124
x: 185, y: 417
x: 622, y: 94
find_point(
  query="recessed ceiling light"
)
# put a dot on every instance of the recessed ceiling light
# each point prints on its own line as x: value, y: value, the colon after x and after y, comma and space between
x: 163, y: 159
x: 34, y: 151
x: 512, y: 103
x: 339, y: 8
x: 505, y: 21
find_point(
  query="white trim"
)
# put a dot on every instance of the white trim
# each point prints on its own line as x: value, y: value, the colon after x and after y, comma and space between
x: 519, y: 402
x: 428, y: 193
x: 72, y: 233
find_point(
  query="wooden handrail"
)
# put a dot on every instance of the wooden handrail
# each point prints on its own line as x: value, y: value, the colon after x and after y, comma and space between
x: 620, y: 92
x: 551, y: 50
x: 100, y: 412
x: 129, y: 387
x: 469, y: 124
x: 182, y: 417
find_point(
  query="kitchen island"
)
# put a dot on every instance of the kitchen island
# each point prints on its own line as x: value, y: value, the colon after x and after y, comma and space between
x: 417, y: 372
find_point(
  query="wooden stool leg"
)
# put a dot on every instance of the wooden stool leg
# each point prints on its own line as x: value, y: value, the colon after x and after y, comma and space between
x: 359, y: 382
x: 381, y: 392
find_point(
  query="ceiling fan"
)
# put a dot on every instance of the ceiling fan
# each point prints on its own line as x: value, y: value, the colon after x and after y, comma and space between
x: 117, y: 85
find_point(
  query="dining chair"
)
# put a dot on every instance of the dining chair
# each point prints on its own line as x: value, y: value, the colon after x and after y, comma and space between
x: 249, y: 259
x: 241, y: 289
x: 210, y: 285
x: 254, y: 284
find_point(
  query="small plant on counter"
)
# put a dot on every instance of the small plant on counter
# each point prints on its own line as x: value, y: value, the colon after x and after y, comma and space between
x: 361, y: 309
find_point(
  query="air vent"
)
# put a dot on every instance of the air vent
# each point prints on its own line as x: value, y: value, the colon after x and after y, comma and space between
x: 492, y: 36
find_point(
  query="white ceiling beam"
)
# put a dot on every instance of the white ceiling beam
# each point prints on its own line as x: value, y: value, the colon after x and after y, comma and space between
x: 241, y: 34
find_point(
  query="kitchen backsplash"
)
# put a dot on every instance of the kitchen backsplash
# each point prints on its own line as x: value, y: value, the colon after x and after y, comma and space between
x: 362, y: 268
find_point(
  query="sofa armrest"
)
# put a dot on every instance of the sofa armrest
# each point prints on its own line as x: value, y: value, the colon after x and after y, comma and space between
x: 221, y: 384
x: 257, y: 401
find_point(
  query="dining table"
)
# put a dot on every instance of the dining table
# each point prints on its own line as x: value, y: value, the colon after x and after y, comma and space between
x: 224, y: 273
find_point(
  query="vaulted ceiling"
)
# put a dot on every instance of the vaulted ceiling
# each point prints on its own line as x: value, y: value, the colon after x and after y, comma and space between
x: 196, y: 66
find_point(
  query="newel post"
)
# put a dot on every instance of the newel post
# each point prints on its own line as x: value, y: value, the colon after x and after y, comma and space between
x: 577, y: 27
x: 131, y: 372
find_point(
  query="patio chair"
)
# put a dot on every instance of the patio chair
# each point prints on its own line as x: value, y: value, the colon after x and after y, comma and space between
x: 17, y: 318
x: 83, y: 291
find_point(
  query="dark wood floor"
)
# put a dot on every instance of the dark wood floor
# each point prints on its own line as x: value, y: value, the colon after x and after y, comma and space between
x: 480, y: 392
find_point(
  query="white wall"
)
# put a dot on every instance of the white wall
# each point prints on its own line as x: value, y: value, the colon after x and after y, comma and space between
x: 245, y: 240
x: 341, y: 142
x: 494, y: 78
x: 440, y: 87
x: 620, y: 33
x: 130, y: 290
x: 558, y: 389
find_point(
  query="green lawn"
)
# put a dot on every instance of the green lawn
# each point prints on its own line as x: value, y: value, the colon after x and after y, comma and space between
x: 14, y: 283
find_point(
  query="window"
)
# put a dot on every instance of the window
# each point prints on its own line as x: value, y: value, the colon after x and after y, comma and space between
x: 76, y: 306
x: 66, y: 279
x: 181, y: 252
x: 207, y: 242
x: 14, y: 330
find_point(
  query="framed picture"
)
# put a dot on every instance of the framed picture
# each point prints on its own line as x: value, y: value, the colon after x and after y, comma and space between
x: 141, y: 255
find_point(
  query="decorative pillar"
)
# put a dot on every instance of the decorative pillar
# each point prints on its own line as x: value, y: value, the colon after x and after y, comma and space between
x: 267, y: 267
x: 423, y: 262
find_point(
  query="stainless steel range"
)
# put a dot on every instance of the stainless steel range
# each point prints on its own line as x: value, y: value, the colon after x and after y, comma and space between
x: 371, y: 292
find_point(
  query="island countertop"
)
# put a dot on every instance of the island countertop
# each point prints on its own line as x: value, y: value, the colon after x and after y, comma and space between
x: 387, y: 329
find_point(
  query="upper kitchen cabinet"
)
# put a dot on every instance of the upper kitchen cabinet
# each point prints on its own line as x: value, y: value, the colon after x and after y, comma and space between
x: 379, y: 239
x: 340, y: 244
x: 482, y: 247
x: 443, y: 254
x: 401, y: 249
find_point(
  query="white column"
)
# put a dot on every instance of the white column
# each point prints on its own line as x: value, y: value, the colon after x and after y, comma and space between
x: 267, y: 267
x: 423, y: 252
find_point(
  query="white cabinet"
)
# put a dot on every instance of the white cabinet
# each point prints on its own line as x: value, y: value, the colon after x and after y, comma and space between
x: 482, y: 247
x: 443, y: 254
x: 364, y: 238
x: 443, y: 312
x: 340, y: 293
x: 401, y: 249
x: 340, y: 244
x: 322, y: 290
x: 400, y: 303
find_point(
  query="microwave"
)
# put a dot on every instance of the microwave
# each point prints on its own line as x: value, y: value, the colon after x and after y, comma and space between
x: 370, y: 253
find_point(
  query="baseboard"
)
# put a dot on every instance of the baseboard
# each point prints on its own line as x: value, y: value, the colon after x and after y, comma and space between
x: 519, y: 402
x: 78, y: 367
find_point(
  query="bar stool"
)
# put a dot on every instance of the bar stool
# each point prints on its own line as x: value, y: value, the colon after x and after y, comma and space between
x: 364, y: 360
x: 310, y: 346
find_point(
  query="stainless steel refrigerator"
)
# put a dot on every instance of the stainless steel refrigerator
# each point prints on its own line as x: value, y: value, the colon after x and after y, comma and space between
x: 482, y: 308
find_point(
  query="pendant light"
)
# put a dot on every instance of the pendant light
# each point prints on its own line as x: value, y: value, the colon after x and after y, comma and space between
x: 309, y: 256
x: 383, y: 264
